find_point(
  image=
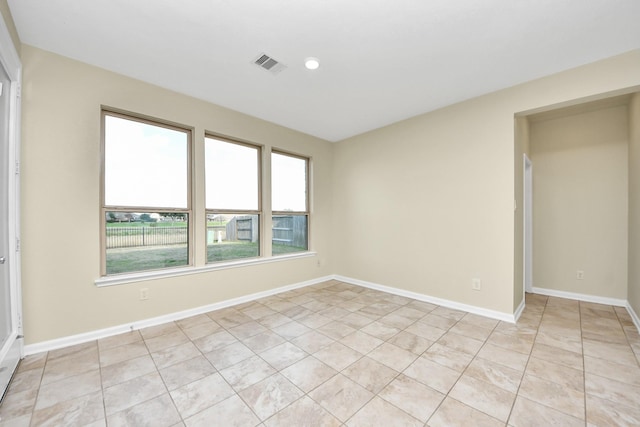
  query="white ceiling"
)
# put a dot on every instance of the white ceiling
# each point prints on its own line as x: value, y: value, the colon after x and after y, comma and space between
x: 381, y: 60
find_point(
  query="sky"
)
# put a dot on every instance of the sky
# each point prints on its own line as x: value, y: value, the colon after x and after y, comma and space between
x: 138, y: 156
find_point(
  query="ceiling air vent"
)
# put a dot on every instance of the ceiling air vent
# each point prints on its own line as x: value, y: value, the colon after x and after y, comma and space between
x: 266, y: 62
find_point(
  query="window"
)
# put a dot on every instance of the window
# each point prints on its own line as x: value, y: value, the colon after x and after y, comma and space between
x: 289, y: 203
x: 146, y: 203
x: 232, y: 172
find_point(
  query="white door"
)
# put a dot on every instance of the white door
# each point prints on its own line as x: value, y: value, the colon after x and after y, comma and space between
x: 10, y: 304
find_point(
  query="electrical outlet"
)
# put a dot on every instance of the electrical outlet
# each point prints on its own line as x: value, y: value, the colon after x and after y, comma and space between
x: 476, y: 284
x: 579, y: 275
x: 144, y: 294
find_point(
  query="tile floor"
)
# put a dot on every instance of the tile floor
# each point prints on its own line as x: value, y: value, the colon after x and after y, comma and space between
x: 336, y: 354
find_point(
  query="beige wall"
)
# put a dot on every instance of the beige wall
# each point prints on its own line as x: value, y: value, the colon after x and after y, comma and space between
x: 634, y: 203
x: 8, y: 20
x: 580, y: 193
x: 427, y: 204
x: 60, y: 200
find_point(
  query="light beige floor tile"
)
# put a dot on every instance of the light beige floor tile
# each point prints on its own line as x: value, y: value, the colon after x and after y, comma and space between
x: 380, y: 330
x: 341, y: 396
x: 303, y: 413
x: 413, y: 397
x: 393, y: 356
x: 291, y: 330
x: 165, y: 341
x: 511, y: 359
x: 185, y: 372
x: 263, y: 341
x: 26, y: 380
x: 258, y: 311
x: 202, y: 329
x: 558, y: 355
x: 559, y: 374
x: 449, y: 313
x: 74, y: 351
x: 80, y: 411
x: 129, y: 369
x: 337, y: 355
x: 125, y: 395
x: 230, y: 355
x: 356, y: 320
x: 336, y: 330
x: 215, y: 341
x: 314, y: 320
x: 495, y: 374
x: 270, y: 395
x: 118, y: 340
x: 565, y: 343
x: 308, y: 373
x: 432, y: 374
x: 361, y: 342
x: 158, y: 330
x: 422, y: 306
x: 247, y: 330
x: 312, y: 342
x: 33, y: 361
x: 479, y: 321
x: 604, y: 413
x: 159, y: 412
x: 527, y: 413
x: 513, y: 342
x: 484, y: 397
x: 191, y: 321
x: 460, y: 343
x: 550, y: 394
x: 612, y: 390
x: 621, y: 354
x: 428, y: 332
x: 73, y: 363
x: 23, y: 421
x: 283, y: 355
x: 471, y: 331
x: 333, y: 312
x: 379, y: 412
x: 452, y: 413
x: 247, y: 372
x: 232, y: 412
x: 229, y: 318
x: 17, y: 404
x: 410, y: 342
x: 201, y: 394
x: 68, y: 388
x: 446, y: 356
x: 172, y: 355
x: 615, y: 371
x: 274, y: 320
x: 122, y: 353
x: 432, y: 319
x: 370, y: 374
x: 396, y: 320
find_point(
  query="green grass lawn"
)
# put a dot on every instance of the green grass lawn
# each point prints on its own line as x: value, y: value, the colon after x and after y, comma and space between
x: 150, y: 258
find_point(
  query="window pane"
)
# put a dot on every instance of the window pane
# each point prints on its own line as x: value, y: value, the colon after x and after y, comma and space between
x: 146, y: 241
x: 137, y: 159
x: 231, y: 175
x: 288, y: 183
x: 289, y: 234
x: 232, y: 237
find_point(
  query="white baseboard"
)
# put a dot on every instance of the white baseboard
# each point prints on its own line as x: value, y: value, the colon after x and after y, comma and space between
x: 581, y: 297
x: 634, y: 316
x: 433, y: 300
x: 115, y: 330
x: 519, y: 310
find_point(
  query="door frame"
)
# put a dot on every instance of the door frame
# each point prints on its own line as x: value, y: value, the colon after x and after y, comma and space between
x: 13, y: 351
x: 527, y: 218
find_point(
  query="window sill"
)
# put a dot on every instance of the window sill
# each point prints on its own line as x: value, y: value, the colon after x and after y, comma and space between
x: 121, y: 279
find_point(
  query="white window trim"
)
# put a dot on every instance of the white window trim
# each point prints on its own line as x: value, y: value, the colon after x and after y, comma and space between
x: 126, y: 278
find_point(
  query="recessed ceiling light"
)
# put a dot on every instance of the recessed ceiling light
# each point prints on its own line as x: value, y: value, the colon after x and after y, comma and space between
x: 311, y: 63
